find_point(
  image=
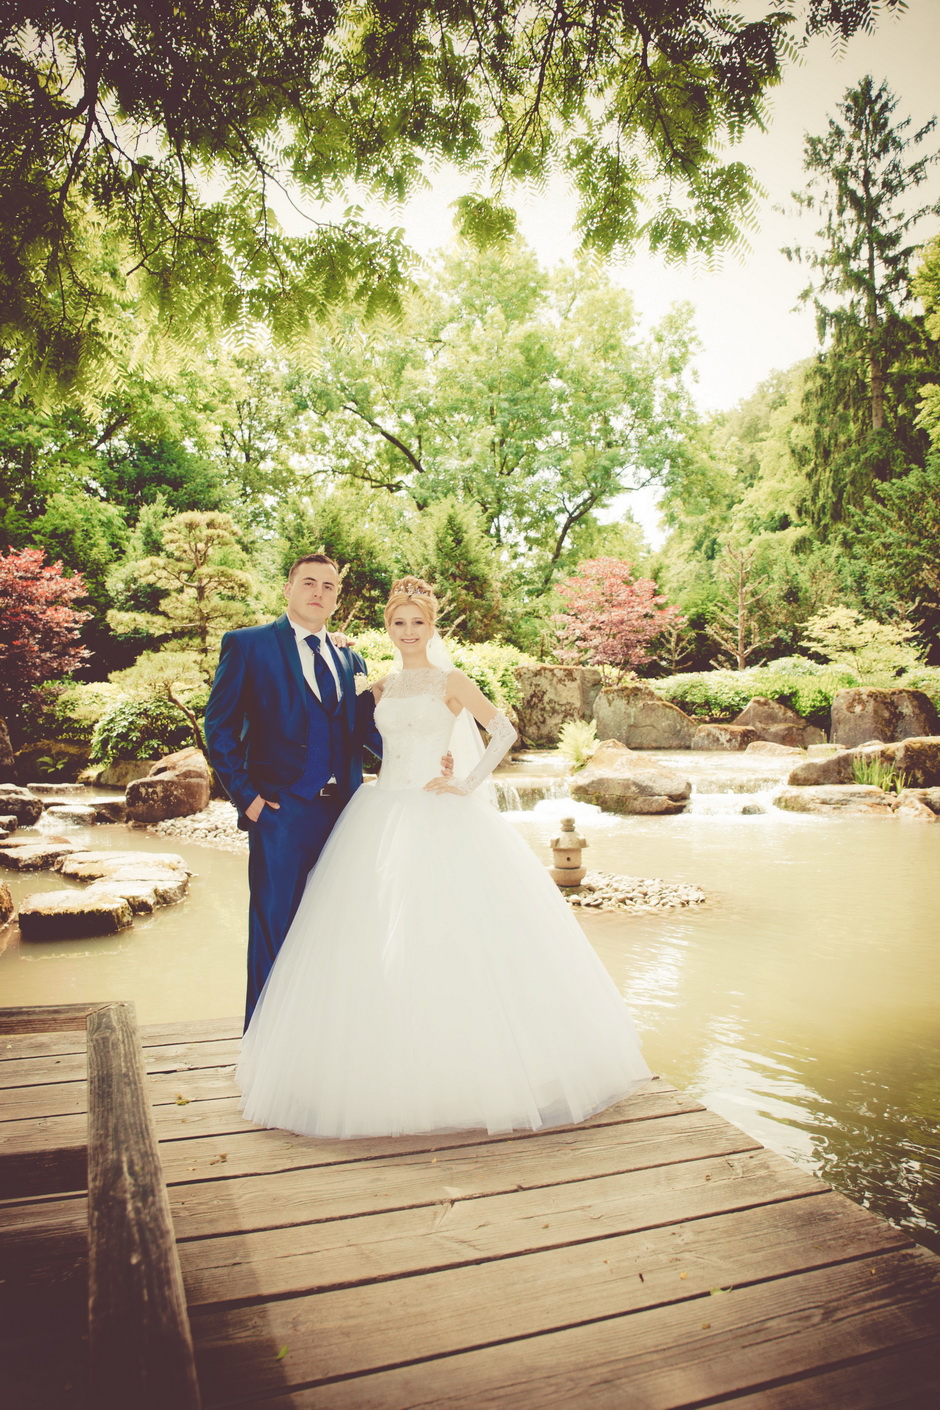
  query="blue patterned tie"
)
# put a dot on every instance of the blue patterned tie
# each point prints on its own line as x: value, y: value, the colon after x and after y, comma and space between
x: 325, y: 680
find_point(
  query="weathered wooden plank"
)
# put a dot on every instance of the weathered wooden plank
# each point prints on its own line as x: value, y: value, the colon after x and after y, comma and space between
x: 45, y: 1370
x: 260, y: 1152
x: 411, y: 1319
x: 342, y: 1252
x: 701, y: 1351
x: 908, y: 1379
x: 44, y: 1254
x: 140, y: 1348
x: 533, y: 1162
x: 42, y: 1171
x: 151, y: 1035
x: 200, y: 1030
x: 70, y: 1067
x: 46, y: 1018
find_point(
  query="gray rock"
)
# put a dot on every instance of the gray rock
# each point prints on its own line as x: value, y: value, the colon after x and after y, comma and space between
x: 119, y: 773
x: 778, y: 724
x: 888, y: 715
x: 718, y: 736
x: 178, y: 785
x: 822, y: 751
x: 551, y: 696
x: 143, y: 895
x: 861, y: 799
x: 751, y: 810
x: 6, y: 903
x: 620, y: 782
x: 917, y: 759
x: 66, y: 915
x: 94, y: 866
x: 108, y: 810
x: 82, y: 813
x: 57, y: 790
x: 929, y: 797
x: 25, y: 806
x: 766, y: 746
x: 8, y: 772
x: 34, y: 854
x: 635, y: 715
x: 912, y: 809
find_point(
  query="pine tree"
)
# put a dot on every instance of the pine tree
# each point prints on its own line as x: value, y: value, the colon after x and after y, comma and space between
x: 862, y: 393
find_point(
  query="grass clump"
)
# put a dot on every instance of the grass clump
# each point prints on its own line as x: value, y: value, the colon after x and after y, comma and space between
x: 878, y: 772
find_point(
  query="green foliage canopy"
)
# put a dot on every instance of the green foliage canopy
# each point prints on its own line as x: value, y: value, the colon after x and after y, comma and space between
x: 142, y: 144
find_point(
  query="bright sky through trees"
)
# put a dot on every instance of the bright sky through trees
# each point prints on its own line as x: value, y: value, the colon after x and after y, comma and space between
x: 744, y: 308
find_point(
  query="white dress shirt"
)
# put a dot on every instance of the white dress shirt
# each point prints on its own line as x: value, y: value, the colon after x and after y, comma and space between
x: 306, y: 657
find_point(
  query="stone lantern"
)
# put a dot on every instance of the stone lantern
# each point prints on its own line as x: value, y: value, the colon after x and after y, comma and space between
x: 566, y: 854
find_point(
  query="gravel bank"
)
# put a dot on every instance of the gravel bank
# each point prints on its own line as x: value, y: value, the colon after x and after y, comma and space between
x: 216, y: 826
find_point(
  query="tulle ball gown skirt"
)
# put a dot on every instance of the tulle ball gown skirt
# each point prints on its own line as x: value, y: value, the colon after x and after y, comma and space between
x: 433, y: 979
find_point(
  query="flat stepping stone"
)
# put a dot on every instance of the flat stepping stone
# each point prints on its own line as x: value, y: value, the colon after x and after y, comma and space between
x: 143, y: 895
x: 29, y: 854
x: 9, y: 822
x: 83, y: 865
x: 67, y: 915
x: 73, y: 812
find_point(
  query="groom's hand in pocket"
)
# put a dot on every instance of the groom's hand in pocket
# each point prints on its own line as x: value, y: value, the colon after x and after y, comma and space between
x: 253, y: 812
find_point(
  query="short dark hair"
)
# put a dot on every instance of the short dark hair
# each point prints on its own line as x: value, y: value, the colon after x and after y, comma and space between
x: 313, y: 558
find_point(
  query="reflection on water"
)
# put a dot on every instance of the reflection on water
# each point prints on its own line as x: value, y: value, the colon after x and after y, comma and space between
x: 803, y: 1002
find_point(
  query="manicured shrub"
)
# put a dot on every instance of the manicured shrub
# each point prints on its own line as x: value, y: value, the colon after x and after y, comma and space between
x: 139, y: 729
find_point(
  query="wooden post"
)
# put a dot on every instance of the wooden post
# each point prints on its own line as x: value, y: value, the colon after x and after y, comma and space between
x: 140, y: 1344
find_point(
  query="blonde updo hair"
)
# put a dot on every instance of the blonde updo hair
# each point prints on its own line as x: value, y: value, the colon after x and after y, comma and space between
x: 416, y: 592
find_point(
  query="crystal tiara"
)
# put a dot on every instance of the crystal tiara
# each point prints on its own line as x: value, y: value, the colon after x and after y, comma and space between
x: 412, y: 587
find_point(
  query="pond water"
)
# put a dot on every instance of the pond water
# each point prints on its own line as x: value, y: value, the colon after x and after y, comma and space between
x: 802, y: 1002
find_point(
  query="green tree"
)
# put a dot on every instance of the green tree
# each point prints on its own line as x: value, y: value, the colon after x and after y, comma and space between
x: 533, y: 398
x: 205, y: 587
x: 449, y: 547
x: 119, y: 126
x: 863, y: 390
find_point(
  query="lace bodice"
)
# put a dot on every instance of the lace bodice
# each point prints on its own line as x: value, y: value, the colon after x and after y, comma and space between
x: 415, y: 725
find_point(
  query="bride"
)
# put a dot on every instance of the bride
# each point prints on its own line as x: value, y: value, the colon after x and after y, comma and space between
x: 433, y: 978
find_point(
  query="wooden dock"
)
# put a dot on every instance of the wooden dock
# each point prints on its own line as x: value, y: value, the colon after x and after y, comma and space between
x: 654, y: 1257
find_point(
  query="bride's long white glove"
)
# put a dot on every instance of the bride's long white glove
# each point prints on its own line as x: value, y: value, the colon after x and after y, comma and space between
x: 502, y: 738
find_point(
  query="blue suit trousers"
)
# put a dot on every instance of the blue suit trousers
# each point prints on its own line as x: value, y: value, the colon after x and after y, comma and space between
x: 283, y: 846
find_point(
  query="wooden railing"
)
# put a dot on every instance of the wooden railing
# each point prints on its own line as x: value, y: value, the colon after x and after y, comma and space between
x: 140, y: 1344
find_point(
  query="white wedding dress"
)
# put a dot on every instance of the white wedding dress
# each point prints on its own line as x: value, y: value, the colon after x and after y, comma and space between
x: 433, y: 978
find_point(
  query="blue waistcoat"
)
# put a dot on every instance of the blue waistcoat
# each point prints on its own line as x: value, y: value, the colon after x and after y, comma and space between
x: 326, y: 748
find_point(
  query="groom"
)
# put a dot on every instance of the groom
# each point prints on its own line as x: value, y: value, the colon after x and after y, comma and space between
x: 285, y: 730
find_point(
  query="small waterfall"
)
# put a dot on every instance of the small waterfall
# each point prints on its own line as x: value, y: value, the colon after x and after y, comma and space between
x: 517, y: 794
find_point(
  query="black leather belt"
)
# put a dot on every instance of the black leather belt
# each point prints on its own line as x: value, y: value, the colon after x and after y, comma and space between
x: 329, y: 790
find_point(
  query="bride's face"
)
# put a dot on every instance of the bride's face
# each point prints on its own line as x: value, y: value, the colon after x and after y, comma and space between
x: 409, y: 630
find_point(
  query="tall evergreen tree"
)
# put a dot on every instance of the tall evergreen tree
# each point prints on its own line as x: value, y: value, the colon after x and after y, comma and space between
x: 862, y: 393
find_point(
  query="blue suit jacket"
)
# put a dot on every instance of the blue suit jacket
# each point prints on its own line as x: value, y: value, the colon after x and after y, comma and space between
x: 256, y: 718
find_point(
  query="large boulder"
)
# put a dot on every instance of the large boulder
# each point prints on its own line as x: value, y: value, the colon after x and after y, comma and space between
x: 635, y: 715
x: 917, y: 759
x: 620, y: 782
x: 891, y: 714
x: 929, y: 797
x: 8, y: 772
x: 718, y: 736
x: 857, y: 799
x: 778, y: 724
x: 65, y: 915
x: 176, y: 786
x: 551, y: 696
x: 25, y: 806
x: 118, y: 773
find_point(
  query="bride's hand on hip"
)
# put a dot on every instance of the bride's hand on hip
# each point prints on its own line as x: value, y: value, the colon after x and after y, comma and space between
x: 444, y: 785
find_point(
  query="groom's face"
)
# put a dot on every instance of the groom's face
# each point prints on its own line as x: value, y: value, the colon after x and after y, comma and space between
x: 312, y: 594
